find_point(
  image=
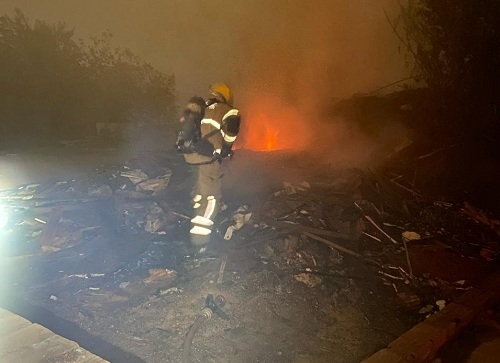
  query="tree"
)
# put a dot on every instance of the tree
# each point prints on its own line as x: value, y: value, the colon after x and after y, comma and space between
x: 54, y: 86
x: 454, y: 47
x: 39, y: 71
x: 130, y: 89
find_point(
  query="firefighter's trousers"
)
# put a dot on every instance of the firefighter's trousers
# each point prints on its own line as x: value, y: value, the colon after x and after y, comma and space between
x: 207, y: 197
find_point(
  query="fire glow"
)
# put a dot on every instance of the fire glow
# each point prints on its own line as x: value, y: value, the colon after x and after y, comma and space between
x: 269, y: 126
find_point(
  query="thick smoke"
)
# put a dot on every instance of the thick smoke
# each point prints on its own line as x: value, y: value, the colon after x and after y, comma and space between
x: 286, y: 60
x: 298, y: 57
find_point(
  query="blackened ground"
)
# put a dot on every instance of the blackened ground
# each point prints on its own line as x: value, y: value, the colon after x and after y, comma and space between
x: 342, y: 315
x: 273, y: 316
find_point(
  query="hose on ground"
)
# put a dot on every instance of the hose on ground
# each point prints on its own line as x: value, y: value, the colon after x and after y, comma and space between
x: 205, y: 314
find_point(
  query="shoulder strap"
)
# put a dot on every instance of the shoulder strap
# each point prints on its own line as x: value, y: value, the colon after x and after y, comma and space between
x: 210, y: 134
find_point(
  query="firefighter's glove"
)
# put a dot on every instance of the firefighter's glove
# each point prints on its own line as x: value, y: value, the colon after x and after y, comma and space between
x: 217, y: 157
x: 227, y: 149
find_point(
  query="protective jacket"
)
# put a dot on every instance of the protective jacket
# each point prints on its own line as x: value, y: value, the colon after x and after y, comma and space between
x: 218, y: 131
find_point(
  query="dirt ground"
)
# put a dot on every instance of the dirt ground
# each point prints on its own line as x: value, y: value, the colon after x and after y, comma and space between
x: 132, y: 297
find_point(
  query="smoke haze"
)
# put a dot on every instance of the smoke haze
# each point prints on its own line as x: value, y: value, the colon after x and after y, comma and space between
x: 346, y: 43
x: 286, y: 60
x: 302, y: 57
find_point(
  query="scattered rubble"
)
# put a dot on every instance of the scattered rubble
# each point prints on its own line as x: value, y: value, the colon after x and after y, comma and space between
x: 159, y: 274
x: 316, y: 235
x: 240, y: 218
x: 308, y: 279
x: 58, y: 215
x: 357, y: 214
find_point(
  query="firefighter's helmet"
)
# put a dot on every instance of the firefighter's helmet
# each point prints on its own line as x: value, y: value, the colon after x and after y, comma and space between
x: 222, y: 90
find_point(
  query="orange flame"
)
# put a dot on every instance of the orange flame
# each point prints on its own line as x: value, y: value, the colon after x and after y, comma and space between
x: 269, y: 125
x: 271, y: 140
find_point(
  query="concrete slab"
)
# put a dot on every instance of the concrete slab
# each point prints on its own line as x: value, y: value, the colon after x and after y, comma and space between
x: 9, y: 323
x: 22, y: 341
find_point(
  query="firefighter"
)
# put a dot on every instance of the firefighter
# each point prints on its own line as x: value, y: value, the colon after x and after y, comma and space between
x: 208, y: 133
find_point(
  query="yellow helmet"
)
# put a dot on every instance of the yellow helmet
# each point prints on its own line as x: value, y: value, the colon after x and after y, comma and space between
x: 222, y: 90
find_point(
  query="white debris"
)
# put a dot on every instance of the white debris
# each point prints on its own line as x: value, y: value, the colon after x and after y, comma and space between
x: 441, y: 304
x: 135, y: 176
x: 169, y: 291
x: 124, y: 285
x: 97, y: 275
x: 426, y: 309
x: 229, y: 233
x: 411, y: 236
x: 240, y: 219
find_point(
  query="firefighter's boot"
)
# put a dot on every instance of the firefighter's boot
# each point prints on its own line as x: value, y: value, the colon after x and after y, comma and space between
x: 203, y: 222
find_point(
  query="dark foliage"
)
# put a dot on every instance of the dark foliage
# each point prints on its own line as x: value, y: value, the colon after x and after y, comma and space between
x: 454, y: 46
x: 53, y: 86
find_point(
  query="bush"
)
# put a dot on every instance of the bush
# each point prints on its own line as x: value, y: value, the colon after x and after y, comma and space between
x: 454, y: 46
x: 54, y: 86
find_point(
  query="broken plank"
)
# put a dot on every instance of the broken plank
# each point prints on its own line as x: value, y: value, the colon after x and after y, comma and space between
x: 369, y: 219
x: 301, y: 228
x: 339, y: 248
